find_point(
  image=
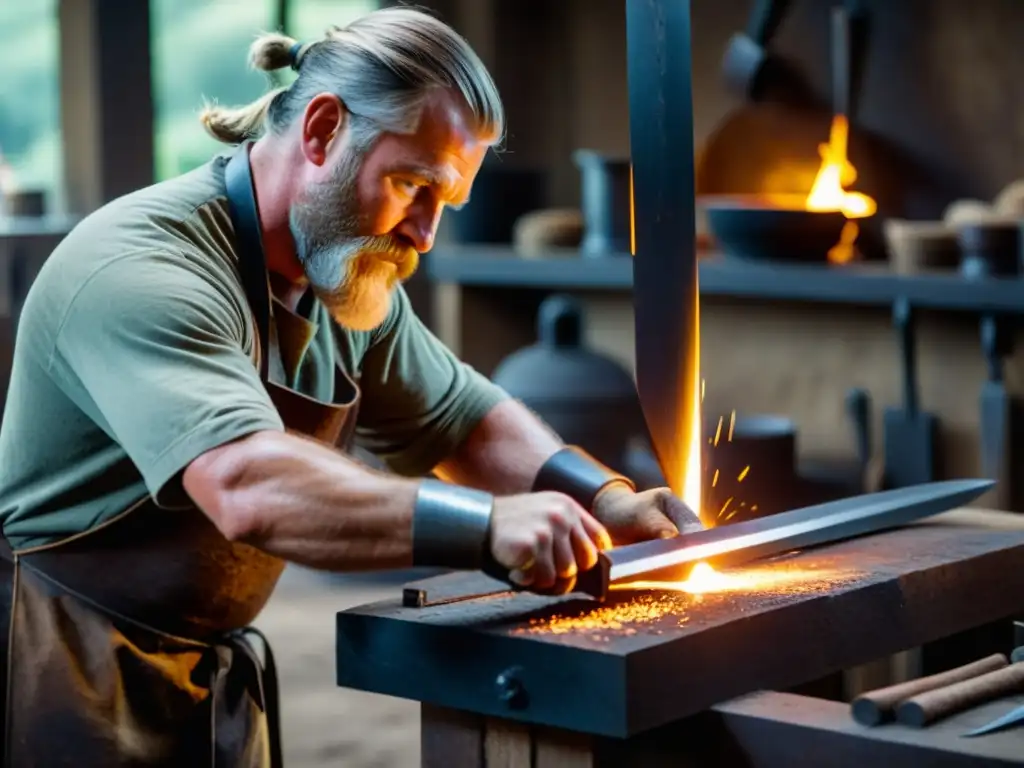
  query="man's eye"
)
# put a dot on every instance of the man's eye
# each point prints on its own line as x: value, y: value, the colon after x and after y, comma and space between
x: 408, y: 187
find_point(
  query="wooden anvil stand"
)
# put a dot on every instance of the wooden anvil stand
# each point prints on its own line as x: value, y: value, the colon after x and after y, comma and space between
x: 652, y: 679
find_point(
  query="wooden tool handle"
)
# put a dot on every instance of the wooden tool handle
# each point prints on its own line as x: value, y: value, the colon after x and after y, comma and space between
x: 942, y: 702
x: 878, y: 706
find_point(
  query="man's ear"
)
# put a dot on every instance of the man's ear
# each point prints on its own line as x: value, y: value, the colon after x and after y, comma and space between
x: 322, y: 121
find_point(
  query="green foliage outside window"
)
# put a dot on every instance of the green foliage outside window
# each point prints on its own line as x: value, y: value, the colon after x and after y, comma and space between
x: 199, y: 50
x: 29, y: 95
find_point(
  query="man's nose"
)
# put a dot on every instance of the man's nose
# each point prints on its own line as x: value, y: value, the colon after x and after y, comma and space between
x: 420, y: 228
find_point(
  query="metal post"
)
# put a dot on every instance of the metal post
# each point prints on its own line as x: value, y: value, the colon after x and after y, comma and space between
x: 665, y: 292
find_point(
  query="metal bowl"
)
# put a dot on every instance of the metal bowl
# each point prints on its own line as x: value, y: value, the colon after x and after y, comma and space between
x: 763, y: 230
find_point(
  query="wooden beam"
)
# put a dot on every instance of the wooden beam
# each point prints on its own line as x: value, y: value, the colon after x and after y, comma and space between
x: 106, y: 100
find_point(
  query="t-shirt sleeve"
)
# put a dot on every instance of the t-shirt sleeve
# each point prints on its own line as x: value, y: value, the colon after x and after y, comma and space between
x: 419, y: 401
x: 155, y: 352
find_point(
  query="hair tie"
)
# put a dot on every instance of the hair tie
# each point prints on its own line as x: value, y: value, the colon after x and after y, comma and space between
x: 295, y: 55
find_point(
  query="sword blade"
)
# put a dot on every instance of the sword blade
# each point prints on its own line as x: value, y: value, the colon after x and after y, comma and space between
x: 797, y: 529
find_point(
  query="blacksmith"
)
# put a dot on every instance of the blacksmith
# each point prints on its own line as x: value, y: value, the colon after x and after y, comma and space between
x: 194, y: 361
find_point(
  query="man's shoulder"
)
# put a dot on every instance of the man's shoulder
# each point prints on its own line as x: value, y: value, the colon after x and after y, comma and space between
x: 187, y: 214
x: 173, y: 240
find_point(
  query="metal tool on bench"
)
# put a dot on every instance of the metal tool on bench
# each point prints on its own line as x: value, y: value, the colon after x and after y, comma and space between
x: 753, y: 539
x: 932, y: 706
x: 921, y: 702
x: 1014, y: 716
x: 879, y: 706
x: 1010, y: 719
x: 910, y: 434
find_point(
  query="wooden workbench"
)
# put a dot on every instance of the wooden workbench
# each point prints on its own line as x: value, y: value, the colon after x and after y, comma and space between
x: 765, y: 729
x: 510, y: 679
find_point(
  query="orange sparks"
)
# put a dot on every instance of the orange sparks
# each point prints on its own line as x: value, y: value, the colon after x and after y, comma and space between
x: 732, y: 424
x: 743, y: 474
x: 725, y: 506
x: 714, y: 480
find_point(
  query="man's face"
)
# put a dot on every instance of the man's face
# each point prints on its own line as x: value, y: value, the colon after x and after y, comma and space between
x: 359, y: 229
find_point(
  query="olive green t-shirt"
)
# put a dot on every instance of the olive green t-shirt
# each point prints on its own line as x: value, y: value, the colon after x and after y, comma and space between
x: 136, y: 353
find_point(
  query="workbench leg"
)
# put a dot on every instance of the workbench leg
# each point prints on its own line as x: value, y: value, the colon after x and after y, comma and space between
x: 562, y: 749
x: 507, y: 745
x: 453, y: 739
x: 450, y: 738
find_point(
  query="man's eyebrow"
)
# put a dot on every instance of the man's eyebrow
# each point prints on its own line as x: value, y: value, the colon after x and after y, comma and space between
x: 425, y: 172
x: 430, y: 175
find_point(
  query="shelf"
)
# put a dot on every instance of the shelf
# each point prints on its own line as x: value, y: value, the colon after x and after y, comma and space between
x: 36, y: 226
x: 498, y: 267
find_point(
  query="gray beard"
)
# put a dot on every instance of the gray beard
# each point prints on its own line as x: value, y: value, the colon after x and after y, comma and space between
x: 324, y: 226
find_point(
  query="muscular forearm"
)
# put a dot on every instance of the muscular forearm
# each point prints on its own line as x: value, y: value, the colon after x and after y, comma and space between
x: 504, y: 453
x: 305, y: 502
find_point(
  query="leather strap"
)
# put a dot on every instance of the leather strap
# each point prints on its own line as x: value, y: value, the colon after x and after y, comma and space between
x: 252, y: 263
x: 578, y: 475
x: 252, y: 270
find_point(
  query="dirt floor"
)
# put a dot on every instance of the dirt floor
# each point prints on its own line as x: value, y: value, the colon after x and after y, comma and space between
x: 325, y: 725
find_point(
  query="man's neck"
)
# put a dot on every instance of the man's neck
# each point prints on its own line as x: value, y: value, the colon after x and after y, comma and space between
x: 273, y: 200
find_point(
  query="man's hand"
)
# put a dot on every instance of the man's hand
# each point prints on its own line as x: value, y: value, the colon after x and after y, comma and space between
x: 655, y: 514
x: 545, y: 540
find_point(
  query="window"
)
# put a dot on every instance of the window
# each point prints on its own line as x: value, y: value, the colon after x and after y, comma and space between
x: 199, y: 53
x: 30, y: 134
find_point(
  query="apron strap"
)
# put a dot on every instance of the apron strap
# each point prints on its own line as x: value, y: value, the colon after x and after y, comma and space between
x: 252, y: 263
x: 267, y: 693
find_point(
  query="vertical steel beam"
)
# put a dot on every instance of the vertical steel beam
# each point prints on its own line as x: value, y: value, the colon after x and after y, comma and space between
x: 665, y: 261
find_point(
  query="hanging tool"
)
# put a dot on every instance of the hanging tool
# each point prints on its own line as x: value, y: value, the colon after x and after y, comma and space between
x: 851, y: 30
x: 858, y: 411
x: 910, y: 435
x: 998, y: 414
x: 748, y: 66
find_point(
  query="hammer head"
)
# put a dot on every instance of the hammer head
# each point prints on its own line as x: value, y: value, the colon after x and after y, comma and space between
x: 744, y: 65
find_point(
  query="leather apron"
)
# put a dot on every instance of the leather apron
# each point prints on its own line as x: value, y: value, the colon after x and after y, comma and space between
x: 129, y: 645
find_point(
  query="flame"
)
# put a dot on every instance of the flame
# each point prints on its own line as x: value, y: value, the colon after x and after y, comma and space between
x: 829, y: 192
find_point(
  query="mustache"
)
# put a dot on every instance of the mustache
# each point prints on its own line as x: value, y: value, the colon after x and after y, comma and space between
x: 387, y: 248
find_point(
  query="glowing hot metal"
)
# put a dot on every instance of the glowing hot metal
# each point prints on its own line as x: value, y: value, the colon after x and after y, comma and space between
x: 776, y: 534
